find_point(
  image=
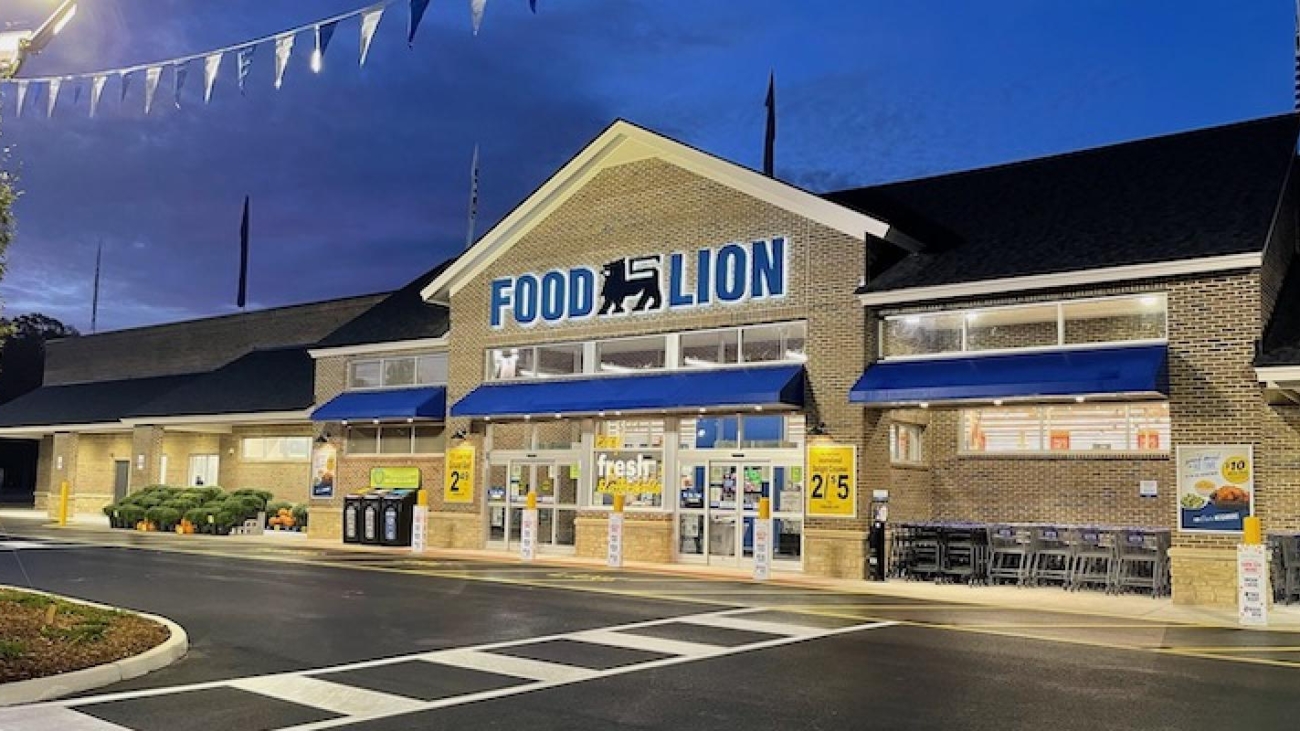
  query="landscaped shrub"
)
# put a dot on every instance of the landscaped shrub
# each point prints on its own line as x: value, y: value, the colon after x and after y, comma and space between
x: 208, y: 494
x: 164, y: 518
x: 262, y: 496
x: 129, y: 515
x: 300, y: 515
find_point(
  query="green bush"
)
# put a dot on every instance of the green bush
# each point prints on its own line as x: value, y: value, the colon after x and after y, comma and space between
x: 184, y: 502
x: 245, y: 506
x: 129, y: 515
x: 226, y: 519
x: 197, y: 516
x: 275, y: 507
x: 262, y: 496
x: 165, y: 518
x: 209, y: 494
x: 299, y: 513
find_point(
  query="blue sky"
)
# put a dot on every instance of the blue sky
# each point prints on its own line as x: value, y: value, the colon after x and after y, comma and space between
x: 359, y: 176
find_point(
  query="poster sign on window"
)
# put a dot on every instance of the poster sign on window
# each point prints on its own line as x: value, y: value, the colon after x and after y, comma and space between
x: 458, y: 484
x: 832, y: 480
x: 1216, y: 487
x: 324, y: 467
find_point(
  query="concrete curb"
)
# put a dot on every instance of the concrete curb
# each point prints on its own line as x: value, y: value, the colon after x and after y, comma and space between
x: 77, y: 681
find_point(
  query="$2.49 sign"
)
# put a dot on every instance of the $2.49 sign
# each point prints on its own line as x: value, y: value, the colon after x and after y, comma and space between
x: 832, y: 484
x: 458, y: 483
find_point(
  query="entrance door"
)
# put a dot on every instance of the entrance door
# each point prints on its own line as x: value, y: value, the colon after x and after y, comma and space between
x: 121, y: 479
x: 556, y: 485
x: 717, y: 504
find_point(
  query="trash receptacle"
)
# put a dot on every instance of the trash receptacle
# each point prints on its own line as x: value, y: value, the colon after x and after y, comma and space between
x: 371, y: 515
x: 398, y: 516
x: 352, y: 518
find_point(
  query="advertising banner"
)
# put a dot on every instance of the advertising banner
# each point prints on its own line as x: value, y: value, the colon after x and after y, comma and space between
x: 458, y: 486
x: 629, y: 473
x: 832, y: 480
x: 1252, y: 585
x: 324, y: 465
x: 395, y: 477
x: 1216, y: 487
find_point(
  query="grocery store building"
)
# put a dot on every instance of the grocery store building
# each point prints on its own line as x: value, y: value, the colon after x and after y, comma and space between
x: 1029, y: 343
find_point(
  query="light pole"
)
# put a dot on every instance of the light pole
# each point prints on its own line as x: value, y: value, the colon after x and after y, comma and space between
x: 17, y: 46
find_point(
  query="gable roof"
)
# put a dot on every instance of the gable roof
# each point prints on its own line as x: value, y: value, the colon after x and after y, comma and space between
x: 276, y: 380
x: 402, y: 315
x: 101, y: 402
x: 623, y: 142
x: 1207, y: 196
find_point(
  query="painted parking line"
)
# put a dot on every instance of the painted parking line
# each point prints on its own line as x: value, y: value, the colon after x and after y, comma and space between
x: 24, y: 545
x: 517, y: 666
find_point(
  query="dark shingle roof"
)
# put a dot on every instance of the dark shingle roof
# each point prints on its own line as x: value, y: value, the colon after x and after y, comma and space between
x: 402, y: 315
x: 264, y: 380
x: 1196, y: 194
x: 86, y: 403
x: 1281, y: 344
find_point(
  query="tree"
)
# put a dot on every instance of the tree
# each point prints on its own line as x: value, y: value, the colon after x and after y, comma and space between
x: 22, y: 356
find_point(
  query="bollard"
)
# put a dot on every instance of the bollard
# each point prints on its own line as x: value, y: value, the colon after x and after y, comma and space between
x: 528, y: 528
x: 614, y: 557
x: 763, y: 540
x: 63, y: 503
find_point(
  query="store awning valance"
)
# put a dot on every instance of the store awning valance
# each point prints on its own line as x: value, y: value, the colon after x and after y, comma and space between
x: 429, y: 402
x: 1128, y: 371
x: 768, y: 386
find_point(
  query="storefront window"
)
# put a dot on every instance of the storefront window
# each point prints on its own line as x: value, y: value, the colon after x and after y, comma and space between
x: 768, y: 431
x: 905, y: 443
x: 1011, y: 327
x: 395, y: 440
x: 709, y: 348
x: 366, y: 374
x: 363, y: 440
x: 508, y: 363
x: 629, y: 459
x: 1087, y: 428
x: 772, y: 343
x: 398, y: 372
x: 1115, y: 319
x: 922, y: 335
x: 559, y: 360
x: 386, y: 439
x: 631, y: 354
x: 275, y: 449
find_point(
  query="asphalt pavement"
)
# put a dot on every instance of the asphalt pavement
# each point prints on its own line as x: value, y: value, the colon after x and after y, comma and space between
x: 308, y: 639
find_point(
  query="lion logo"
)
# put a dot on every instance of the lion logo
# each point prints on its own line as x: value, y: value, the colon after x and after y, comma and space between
x: 625, y: 278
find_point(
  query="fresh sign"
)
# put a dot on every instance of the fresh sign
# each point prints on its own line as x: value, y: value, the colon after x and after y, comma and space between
x: 728, y: 274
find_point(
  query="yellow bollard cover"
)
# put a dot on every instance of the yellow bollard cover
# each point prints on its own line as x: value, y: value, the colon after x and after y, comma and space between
x: 764, y: 508
x: 618, y: 502
x: 1252, y: 533
x: 531, y: 500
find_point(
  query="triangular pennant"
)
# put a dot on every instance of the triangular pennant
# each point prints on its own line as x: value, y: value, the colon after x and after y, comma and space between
x: 76, y: 91
x: 417, y: 14
x: 369, y: 22
x: 283, y: 49
x: 211, y: 65
x: 151, y: 77
x: 179, y: 73
x: 22, y: 97
x: 245, y: 61
x: 476, y: 8
x: 324, y: 34
x: 55, y: 85
x: 96, y: 91
x: 126, y: 83
x: 532, y: 5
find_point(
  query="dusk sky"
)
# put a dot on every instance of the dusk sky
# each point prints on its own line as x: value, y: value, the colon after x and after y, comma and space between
x: 359, y: 176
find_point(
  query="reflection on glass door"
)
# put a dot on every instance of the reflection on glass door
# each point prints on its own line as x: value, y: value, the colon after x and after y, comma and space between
x: 556, y: 485
x: 717, y: 504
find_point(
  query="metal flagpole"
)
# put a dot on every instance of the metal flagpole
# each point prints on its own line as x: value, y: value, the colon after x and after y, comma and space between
x: 473, y: 197
x: 94, y: 300
x: 1297, y: 56
x: 242, y: 299
x: 769, y: 137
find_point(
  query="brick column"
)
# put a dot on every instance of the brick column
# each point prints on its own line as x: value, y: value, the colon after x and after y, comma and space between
x: 146, y: 441
x: 63, y: 466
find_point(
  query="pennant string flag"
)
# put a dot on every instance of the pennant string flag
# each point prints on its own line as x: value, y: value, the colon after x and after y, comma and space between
x: 369, y: 22
x: 126, y: 84
x: 22, y: 96
x: 76, y: 91
x: 96, y: 91
x: 211, y: 64
x: 532, y: 5
x: 324, y: 34
x: 54, y: 85
x: 476, y: 8
x: 151, y: 77
x: 244, y: 60
x: 283, y: 49
x: 417, y: 14
x: 179, y: 73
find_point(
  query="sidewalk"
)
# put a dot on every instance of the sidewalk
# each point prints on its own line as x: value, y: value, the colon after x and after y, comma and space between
x: 1130, y: 606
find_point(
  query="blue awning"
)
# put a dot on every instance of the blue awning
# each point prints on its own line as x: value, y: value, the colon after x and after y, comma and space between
x: 428, y: 402
x: 1130, y: 371
x: 775, y: 386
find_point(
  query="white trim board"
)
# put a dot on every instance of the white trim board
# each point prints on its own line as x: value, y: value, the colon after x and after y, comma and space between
x: 438, y: 343
x: 263, y: 417
x: 1062, y: 280
x: 623, y: 142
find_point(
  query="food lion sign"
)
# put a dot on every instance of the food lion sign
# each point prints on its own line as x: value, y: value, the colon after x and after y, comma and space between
x: 653, y: 283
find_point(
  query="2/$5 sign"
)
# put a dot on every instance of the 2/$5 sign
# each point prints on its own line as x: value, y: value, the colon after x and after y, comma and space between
x: 727, y: 274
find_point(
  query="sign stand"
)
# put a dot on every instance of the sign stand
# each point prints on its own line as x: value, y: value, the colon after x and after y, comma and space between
x: 1253, y: 586
x: 763, y: 540
x: 528, y: 529
x: 420, y: 522
x: 615, y: 557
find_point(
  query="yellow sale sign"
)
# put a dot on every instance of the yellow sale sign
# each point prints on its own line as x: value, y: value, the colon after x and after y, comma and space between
x: 458, y: 487
x: 832, y: 480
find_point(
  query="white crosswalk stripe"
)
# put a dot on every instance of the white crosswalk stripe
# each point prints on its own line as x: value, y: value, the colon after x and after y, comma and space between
x: 353, y: 704
x: 29, y: 545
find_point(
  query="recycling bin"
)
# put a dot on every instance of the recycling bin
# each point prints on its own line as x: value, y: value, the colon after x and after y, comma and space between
x: 352, y: 518
x: 398, y: 517
x: 371, y: 516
